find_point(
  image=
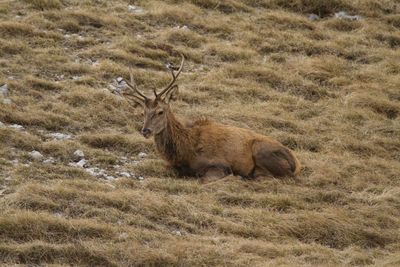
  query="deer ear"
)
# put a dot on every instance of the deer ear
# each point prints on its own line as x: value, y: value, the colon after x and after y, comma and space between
x: 172, y: 94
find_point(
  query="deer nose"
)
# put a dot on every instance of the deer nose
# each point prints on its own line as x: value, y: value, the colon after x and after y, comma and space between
x: 145, y: 132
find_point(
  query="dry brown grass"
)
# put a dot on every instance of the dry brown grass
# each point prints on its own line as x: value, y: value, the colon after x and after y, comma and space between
x: 328, y: 89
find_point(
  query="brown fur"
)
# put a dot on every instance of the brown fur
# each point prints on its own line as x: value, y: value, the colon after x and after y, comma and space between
x: 207, y: 148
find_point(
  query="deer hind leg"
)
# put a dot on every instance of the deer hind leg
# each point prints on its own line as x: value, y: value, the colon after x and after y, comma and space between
x: 273, y: 159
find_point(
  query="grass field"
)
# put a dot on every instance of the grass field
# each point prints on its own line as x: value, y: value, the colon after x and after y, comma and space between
x: 329, y: 89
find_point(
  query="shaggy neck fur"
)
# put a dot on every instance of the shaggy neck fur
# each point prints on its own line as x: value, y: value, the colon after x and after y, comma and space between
x: 175, y: 143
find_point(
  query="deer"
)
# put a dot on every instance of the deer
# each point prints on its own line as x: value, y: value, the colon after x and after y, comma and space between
x: 204, y: 148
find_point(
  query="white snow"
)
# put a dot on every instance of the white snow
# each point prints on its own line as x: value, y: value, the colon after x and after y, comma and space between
x: 6, y: 101
x: 80, y: 163
x: 95, y: 171
x: 60, y: 136
x: 2, y: 191
x: 36, y: 154
x: 142, y: 154
x: 17, y: 127
x: 126, y: 174
x: 49, y: 160
x: 4, y: 89
x: 123, y: 236
x: 110, y: 177
x: 79, y: 153
x: 178, y: 233
x: 344, y: 15
x: 313, y: 17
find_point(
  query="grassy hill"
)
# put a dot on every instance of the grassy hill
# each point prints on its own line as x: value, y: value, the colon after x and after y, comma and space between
x: 327, y: 88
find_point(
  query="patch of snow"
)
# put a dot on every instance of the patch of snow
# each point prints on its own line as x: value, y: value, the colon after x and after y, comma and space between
x: 26, y: 164
x: 79, y: 153
x: 123, y: 236
x: 112, y: 87
x: 59, y: 136
x: 58, y: 214
x: 11, y: 77
x: 126, y: 174
x: 67, y: 36
x: 2, y: 191
x: 138, y: 35
x: 313, y: 17
x: 36, y: 154
x: 142, y: 154
x: 75, y: 77
x: 119, y: 79
x: 15, y: 161
x: 6, y: 101
x: 141, y: 178
x: 110, y: 178
x: 95, y: 171
x: 81, y: 38
x: 179, y: 233
x: 138, y: 11
x: 17, y: 16
x: 17, y: 127
x: 80, y: 163
x: 4, y: 89
x: 1, y: 124
x: 49, y: 160
x: 131, y: 7
x: 122, y: 84
x: 344, y: 15
x: 95, y: 63
x: 184, y: 27
x: 135, y: 162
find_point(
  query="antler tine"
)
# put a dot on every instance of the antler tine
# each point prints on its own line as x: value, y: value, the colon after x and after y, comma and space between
x: 174, y: 77
x: 132, y: 84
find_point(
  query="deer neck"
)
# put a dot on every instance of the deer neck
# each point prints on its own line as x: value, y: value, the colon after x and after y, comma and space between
x: 174, y: 142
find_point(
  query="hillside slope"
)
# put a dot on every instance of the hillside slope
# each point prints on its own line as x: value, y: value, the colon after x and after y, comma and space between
x: 327, y: 88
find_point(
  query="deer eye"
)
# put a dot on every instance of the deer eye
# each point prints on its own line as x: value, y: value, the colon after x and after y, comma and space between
x: 160, y: 112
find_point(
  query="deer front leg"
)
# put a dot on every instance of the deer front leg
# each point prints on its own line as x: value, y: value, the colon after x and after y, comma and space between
x: 213, y: 173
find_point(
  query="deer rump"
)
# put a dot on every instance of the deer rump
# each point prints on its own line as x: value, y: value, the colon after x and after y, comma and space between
x: 209, y: 149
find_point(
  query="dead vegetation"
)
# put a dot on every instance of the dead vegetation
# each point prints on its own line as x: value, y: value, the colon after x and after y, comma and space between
x: 328, y: 89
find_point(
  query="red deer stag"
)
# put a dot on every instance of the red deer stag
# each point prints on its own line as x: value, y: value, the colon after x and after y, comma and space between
x: 205, y: 148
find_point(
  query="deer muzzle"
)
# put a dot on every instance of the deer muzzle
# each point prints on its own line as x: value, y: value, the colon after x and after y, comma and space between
x: 145, y: 132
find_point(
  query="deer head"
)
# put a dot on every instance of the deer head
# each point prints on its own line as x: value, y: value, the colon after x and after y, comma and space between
x: 155, y: 110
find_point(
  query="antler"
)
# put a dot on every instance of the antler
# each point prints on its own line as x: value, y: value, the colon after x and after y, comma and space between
x: 133, y: 86
x: 140, y: 96
x: 174, y: 77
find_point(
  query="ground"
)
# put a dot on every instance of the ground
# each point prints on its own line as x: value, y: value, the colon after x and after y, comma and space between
x: 327, y: 87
